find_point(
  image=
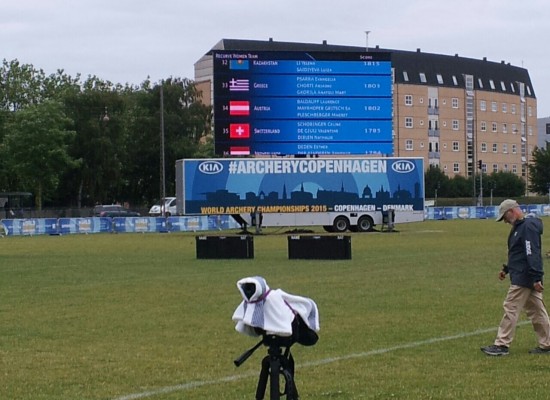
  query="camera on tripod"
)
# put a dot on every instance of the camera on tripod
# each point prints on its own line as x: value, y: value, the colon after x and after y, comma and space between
x: 281, y: 319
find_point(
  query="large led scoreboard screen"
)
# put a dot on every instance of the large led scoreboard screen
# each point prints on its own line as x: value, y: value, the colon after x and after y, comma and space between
x: 302, y: 103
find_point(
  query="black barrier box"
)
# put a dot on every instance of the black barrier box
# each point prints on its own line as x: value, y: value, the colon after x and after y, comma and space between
x: 319, y: 247
x: 225, y: 246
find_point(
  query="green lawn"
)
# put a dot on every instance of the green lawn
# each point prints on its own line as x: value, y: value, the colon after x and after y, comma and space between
x: 138, y: 316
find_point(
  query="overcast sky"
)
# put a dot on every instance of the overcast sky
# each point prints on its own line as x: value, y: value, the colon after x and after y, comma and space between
x: 126, y: 41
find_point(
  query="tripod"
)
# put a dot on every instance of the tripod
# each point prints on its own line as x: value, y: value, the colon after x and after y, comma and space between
x: 276, y: 363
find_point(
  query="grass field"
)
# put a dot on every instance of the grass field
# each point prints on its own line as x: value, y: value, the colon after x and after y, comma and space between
x: 138, y: 316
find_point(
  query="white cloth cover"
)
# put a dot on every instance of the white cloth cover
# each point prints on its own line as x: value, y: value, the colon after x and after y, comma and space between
x: 272, y: 310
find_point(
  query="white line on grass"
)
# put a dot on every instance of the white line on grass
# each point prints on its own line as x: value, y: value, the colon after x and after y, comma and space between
x: 191, y: 385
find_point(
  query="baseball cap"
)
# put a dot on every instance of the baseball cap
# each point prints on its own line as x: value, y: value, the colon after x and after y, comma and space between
x: 506, y: 205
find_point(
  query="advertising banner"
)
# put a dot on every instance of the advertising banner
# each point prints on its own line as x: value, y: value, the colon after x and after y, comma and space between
x: 34, y: 226
x: 269, y: 185
x: 84, y: 225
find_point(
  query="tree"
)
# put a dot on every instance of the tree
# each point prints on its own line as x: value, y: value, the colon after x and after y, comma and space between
x: 36, y: 146
x: 435, y: 179
x: 539, y: 171
x: 20, y: 85
x: 186, y: 126
x: 505, y: 184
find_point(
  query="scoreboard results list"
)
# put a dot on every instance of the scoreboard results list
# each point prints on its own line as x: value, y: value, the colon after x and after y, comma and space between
x: 302, y: 103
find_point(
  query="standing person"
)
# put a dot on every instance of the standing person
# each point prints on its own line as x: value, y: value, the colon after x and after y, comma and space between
x: 526, y: 285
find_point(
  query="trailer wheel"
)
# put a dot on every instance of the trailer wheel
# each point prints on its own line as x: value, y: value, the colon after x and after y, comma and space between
x: 328, y: 228
x: 365, y: 224
x: 340, y: 224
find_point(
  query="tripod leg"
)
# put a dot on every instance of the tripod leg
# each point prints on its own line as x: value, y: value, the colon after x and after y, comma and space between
x: 288, y: 373
x: 275, y: 366
x: 262, y: 380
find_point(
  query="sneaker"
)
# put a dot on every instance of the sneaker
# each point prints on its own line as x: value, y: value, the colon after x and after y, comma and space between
x: 539, y: 350
x: 495, y: 350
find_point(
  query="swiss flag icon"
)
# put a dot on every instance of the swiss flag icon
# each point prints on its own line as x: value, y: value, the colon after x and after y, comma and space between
x: 239, y: 131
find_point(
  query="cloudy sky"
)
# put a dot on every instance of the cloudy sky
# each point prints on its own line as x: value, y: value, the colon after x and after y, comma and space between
x: 126, y: 41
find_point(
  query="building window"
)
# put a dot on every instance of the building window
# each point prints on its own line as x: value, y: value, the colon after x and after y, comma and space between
x: 495, y: 147
x: 456, y: 168
x: 408, y: 122
x: 455, y: 81
x: 422, y: 76
x: 456, y: 125
x: 469, y: 84
x: 483, y: 126
x: 492, y: 84
x: 483, y: 105
x: 505, y: 168
x: 456, y: 146
x: 512, y: 87
x: 440, y: 79
x: 405, y: 76
x: 408, y: 100
x: 530, y: 111
x: 514, y: 149
x: 454, y: 102
x: 530, y: 131
x: 409, y: 144
x: 513, y: 108
x: 502, y: 86
x: 505, y: 148
x: 495, y: 167
x: 484, y: 147
x: 504, y: 127
x: 504, y: 108
x: 480, y: 83
x: 494, y: 106
x: 514, y: 168
x: 494, y: 126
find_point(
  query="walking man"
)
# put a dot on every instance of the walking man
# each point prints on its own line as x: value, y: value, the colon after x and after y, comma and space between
x: 526, y: 284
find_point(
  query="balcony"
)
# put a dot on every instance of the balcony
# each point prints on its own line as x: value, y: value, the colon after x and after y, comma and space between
x: 433, y: 110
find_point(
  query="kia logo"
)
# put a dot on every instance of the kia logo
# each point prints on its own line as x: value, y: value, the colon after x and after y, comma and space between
x: 403, y: 166
x: 210, y: 167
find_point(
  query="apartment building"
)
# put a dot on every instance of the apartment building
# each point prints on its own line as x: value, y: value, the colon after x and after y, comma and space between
x: 455, y: 112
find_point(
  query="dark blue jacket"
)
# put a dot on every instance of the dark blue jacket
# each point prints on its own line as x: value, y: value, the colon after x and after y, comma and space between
x: 524, y: 252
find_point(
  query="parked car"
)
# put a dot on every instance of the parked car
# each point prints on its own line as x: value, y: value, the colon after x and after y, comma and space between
x: 113, y: 210
x: 169, y: 206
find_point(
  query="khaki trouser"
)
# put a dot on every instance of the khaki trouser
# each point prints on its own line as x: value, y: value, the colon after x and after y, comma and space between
x: 520, y: 298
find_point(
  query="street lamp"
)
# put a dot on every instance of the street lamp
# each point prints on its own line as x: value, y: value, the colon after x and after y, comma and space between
x: 105, y: 117
x: 162, y: 155
x: 367, y: 34
x: 480, y: 166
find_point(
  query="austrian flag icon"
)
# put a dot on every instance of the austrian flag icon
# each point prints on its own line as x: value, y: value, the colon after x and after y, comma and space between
x: 239, y: 107
x: 239, y: 131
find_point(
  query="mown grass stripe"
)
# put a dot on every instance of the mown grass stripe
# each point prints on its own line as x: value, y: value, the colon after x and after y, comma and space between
x: 191, y: 385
